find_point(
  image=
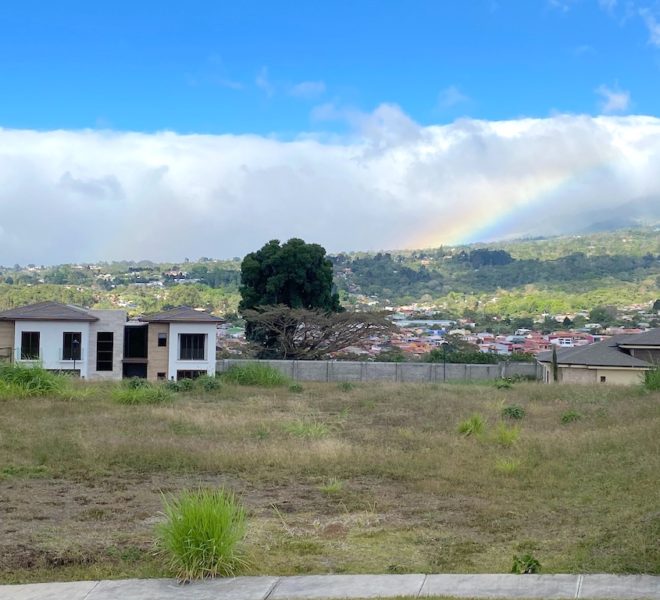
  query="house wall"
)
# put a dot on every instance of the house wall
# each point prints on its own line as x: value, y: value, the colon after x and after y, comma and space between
x: 51, y: 341
x: 651, y: 355
x: 577, y: 375
x: 6, y: 340
x: 108, y: 320
x: 174, y: 364
x: 158, y: 356
x: 620, y: 376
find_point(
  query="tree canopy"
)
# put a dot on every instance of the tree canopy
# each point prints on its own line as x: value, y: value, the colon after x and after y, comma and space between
x: 294, y: 274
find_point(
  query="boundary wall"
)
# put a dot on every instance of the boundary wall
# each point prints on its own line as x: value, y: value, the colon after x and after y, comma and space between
x: 355, y: 371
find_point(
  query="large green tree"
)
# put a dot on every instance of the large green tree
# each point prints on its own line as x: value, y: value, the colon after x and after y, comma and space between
x: 294, y: 275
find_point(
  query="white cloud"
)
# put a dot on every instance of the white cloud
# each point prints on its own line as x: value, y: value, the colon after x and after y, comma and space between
x: 308, y: 89
x: 451, y: 96
x: 262, y: 81
x: 653, y: 25
x: 390, y: 183
x: 613, y: 100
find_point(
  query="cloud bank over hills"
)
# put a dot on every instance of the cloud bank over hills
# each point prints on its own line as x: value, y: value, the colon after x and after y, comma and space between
x: 391, y: 183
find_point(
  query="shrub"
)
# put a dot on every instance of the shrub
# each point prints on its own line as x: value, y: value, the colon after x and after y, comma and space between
x: 202, y: 534
x: 207, y: 383
x: 475, y: 425
x: 506, y: 436
x: 652, y: 379
x: 142, y: 395
x: 570, y: 417
x: 503, y: 384
x: 346, y: 386
x: 513, y: 411
x: 20, y: 380
x: 254, y: 374
x: 137, y: 383
x: 296, y: 388
x: 186, y: 385
x: 525, y: 564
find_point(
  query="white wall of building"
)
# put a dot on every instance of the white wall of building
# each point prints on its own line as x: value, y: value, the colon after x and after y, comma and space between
x: 51, y: 343
x: 175, y: 364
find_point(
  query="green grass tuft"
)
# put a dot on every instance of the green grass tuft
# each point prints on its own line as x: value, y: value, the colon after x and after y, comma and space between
x: 307, y: 429
x: 506, y: 436
x: 22, y: 381
x: 202, y: 534
x: 254, y: 374
x: 652, y: 379
x: 570, y: 416
x: 475, y: 425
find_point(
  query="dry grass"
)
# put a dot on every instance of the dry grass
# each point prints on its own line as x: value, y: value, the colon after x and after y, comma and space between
x: 80, y: 479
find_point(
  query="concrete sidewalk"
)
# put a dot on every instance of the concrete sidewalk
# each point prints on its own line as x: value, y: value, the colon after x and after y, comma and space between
x: 312, y: 587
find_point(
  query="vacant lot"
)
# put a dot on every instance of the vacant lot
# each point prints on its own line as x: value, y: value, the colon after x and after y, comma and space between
x: 373, y: 478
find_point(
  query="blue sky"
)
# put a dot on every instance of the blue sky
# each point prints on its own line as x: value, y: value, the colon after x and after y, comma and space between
x: 288, y: 67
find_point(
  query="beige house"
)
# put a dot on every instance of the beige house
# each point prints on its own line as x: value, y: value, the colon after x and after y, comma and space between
x: 620, y: 360
x: 101, y: 344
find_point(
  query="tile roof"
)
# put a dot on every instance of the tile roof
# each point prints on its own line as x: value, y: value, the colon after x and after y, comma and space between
x: 47, y: 311
x: 602, y: 354
x: 182, y: 314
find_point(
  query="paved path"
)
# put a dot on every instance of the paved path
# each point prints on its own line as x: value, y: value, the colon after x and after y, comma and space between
x: 313, y: 587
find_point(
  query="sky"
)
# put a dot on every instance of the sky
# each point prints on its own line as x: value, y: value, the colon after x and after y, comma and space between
x: 144, y: 130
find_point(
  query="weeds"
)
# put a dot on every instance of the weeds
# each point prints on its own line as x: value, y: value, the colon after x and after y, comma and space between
x: 307, y: 429
x: 254, y: 374
x: 475, y: 425
x: 525, y: 564
x: 25, y: 381
x: 652, y: 379
x: 296, y: 388
x: 507, y: 466
x: 207, y: 383
x: 333, y: 486
x: 202, y: 534
x: 142, y: 395
x: 506, y: 436
x: 346, y: 386
x: 513, y: 411
x: 570, y: 416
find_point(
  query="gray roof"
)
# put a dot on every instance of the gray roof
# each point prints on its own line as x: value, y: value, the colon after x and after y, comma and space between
x: 602, y: 354
x: 648, y: 338
x: 182, y: 314
x: 47, y: 311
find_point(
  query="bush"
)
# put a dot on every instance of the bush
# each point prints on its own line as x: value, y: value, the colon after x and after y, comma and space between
x: 137, y: 383
x: 186, y: 385
x: 475, y: 425
x: 22, y: 380
x: 296, y: 388
x: 142, y: 395
x: 652, y: 379
x: 503, y: 384
x: 570, y: 417
x: 346, y: 386
x: 525, y: 565
x: 513, y: 411
x: 254, y: 374
x: 202, y: 534
x: 208, y: 383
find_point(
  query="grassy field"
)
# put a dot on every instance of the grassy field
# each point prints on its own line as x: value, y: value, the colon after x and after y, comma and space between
x: 337, y: 479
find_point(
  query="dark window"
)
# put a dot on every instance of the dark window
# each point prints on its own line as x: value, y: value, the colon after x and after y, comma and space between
x: 160, y: 376
x: 162, y: 340
x: 105, y: 343
x: 71, y: 345
x: 192, y: 346
x: 188, y: 374
x: 135, y: 341
x: 603, y: 379
x: 30, y: 345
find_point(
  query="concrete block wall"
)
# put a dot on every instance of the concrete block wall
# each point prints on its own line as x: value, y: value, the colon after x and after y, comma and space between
x: 329, y: 370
